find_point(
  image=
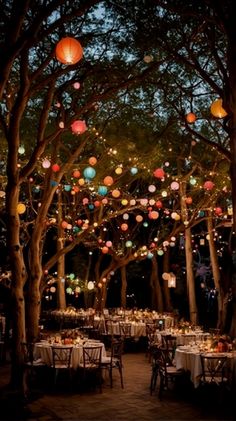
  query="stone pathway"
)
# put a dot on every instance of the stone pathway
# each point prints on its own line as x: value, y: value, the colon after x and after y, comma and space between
x: 130, y: 404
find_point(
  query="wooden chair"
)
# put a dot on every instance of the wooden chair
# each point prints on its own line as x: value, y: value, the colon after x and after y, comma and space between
x: 167, y: 371
x: 92, y: 366
x: 125, y: 330
x: 33, y: 369
x: 169, y: 343
x: 150, y: 334
x: 114, y: 361
x: 61, y: 361
x: 213, y: 369
x: 155, y: 357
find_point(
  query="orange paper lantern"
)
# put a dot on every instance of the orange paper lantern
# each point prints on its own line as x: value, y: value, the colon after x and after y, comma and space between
x: 191, y: 118
x: 108, y: 180
x: 217, y: 109
x: 69, y: 51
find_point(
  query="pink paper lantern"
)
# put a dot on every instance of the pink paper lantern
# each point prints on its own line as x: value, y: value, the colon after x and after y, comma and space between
x: 218, y: 211
x: 208, y: 185
x: 124, y: 227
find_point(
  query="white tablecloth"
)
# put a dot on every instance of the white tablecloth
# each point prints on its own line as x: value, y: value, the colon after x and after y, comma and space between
x: 189, y: 359
x: 183, y: 338
x: 44, y: 351
x: 137, y: 328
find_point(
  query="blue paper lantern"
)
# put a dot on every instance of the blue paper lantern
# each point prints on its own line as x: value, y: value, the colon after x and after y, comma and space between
x: 91, y: 206
x: 89, y: 173
x: 150, y: 255
x: 102, y: 190
x: 133, y: 170
x: 67, y: 187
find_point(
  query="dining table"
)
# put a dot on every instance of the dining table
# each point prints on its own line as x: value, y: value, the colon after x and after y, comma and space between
x: 43, y: 351
x: 188, y: 358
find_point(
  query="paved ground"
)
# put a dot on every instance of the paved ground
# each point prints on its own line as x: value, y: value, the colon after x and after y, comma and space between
x: 130, y: 404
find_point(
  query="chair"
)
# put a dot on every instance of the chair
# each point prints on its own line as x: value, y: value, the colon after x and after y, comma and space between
x: 61, y: 360
x: 92, y: 367
x: 155, y: 356
x: 125, y: 330
x: 214, y: 331
x: 150, y: 334
x: 213, y: 369
x: 169, y: 343
x: 168, y: 372
x: 32, y: 367
x: 114, y: 361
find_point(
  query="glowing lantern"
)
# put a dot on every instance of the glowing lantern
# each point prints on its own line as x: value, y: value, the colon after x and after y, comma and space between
x: 76, y: 85
x: 132, y: 202
x: 109, y: 244
x: 64, y: 224
x: 188, y: 200
x: 67, y: 187
x: 75, y: 189
x: 143, y: 202
x: 128, y: 244
x: 159, y: 204
x: 208, y: 185
x: 21, y: 150
x: 97, y: 203
x: 152, y: 188
x: 78, y: 126
x: 193, y: 181
x: 133, y: 170
x: 46, y: 163
x: 174, y: 185
x: 55, y: 168
x: 2, y: 193
x: 21, y: 208
x: 85, y: 201
x: 150, y: 255
x: 124, y: 202
x: 118, y: 170
x: 76, y: 174
x: 116, y: 193
x: 105, y: 250
x: 126, y: 216
x: 173, y: 215
x: 139, y: 218
x: 89, y: 173
x: 69, y: 227
x: 171, y: 280
x: 164, y: 193
x: 153, y: 215
x: 81, y: 181
x: 159, y: 173
x: 92, y: 160
x: 102, y: 190
x: 191, y: 118
x: 69, y: 51
x: 177, y: 217
x: 218, y: 211
x: 104, y: 201
x: 217, y: 109
x: 108, y: 181
x: 160, y: 252
x: 165, y: 276
x: 90, y: 285
x: 124, y: 227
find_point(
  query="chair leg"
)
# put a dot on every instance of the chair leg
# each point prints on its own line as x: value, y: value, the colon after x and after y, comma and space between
x: 153, y: 380
x: 121, y: 377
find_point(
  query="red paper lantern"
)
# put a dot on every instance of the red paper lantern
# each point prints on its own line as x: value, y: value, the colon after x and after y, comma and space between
x: 92, y: 160
x: 153, y: 215
x: 191, y: 118
x: 69, y: 51
x: 218, y: 211
x: 64, y: 224
x: 124, y: 227
x: 159, y: 204
x: 105, y: 250
x: 55, y: 168
x: 159, y: 173
x: 76, y: 174
x: 208, y: 185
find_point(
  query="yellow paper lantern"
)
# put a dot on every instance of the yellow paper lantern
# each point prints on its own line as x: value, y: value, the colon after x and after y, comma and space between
x: 124, y: 202
x: 217, y: 109
x: 118, y: 170
x: 21, y: 208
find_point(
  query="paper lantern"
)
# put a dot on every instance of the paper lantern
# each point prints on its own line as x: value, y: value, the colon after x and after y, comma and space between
x: 21, y: 150
x: 55, y: 168
x: 165, y: 276
x: 124, y: 227
x: 76, y: 174
x: 108, y: 180
x: 153, y: 215
x: 160, y: 252
x: 102, y: 190
x: 124, y: 202
x: 89, y: 173
x: 64, y: 224
x: 159, y: 204
x: 145, y: 224
x: 78, y: 126
x: 134, y: 170
x: 139, y: 218
x: 172, y: 280
x: 108, y: 243
x: 193, y: 181
x: 152, y: 188
x: 164, y: 193
x: 46, y: 163
x: 105, y: 250
x: 191, y: 118
x: 208, y: 185
x: 81, y: 181
x: 118, y: 170
x: 97, y: 203
x: 143, y: 202
x: 126, y: 216
x: 159, y: 173
x: 85, y: 201
x: 174, y: 185
x: 21, y: 208
x: 92, y: 160
x: 90, y: 285
x: 217, y: 109
x: 116, y: 193
x: 152, y: 202
x: 188, y: 200
x: 69, y: 51
x: 218, y: 211
x: 173, y: 215
x: 2, y: 193
x: 150, y: 255
x: 105, y: 201
x: 128, y: 244
x: 76, y: 85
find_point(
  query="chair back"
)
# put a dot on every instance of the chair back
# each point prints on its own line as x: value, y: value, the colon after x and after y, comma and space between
x: 117, y: 347
x: 213, y: 368
x: 27, y: 349
x: 125, y: 329
x: 61, y: 356
x: 92, y: 356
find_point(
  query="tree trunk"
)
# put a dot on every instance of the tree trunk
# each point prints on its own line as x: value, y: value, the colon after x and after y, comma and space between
x: 193, y: 313
x: 123, y: 286
x: 166, y: 290
x: 157, y: 300
x: 216, y: 273
x: 61, y: 294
